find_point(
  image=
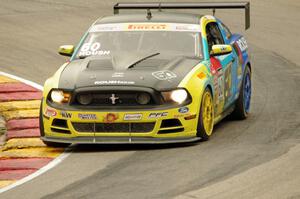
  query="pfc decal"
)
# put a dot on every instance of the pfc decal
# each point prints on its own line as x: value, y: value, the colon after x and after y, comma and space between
x: 183, y: 109
x: 86, y: 116
x: 158, y: 115
x: 111, y: 117
x: 133, y: 116
x: 49, y: 112
x: 164, y: 75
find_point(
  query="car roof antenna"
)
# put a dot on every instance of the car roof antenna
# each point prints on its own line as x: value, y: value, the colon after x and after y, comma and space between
x: 159, y: 7
x: 149, y: 14
x: 214, y: 11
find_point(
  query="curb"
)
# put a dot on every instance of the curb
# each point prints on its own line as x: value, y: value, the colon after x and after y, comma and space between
x: 23, y: 156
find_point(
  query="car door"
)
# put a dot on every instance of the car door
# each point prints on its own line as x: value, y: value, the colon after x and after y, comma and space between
x: 221, y: 67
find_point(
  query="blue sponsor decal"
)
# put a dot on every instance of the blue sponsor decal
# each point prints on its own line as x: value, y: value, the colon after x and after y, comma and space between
x: 183, y: 110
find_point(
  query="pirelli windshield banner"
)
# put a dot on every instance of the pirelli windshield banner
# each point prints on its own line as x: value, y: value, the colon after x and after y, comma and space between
x: 146, y: 27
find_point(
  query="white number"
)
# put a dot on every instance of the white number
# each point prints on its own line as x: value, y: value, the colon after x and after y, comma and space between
x: 95, y: 46
x: 90, y: 47
x: 85, y: 47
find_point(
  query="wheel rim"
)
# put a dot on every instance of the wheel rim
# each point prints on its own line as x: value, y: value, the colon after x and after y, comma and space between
x: 207, y: 113
x: 247, y: 92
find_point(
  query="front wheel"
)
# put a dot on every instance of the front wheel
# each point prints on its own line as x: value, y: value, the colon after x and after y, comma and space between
x: 242, y: 105
x: 206, y: 116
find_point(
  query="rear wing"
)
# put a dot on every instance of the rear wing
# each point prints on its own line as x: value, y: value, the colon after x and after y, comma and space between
x: 200, y: 5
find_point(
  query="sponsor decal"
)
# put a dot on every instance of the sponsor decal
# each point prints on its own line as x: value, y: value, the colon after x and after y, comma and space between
x: 133, y: 116
x: 87, y: 116
x: 183, y: 109
x: 188, y: 27
x: 201, y: 75
x: 147, y: 26
x: 66, y: 114
x: 182, y: 115
x: 117, y: 74
x: 164, y: 75
x: 49, y: 112
x: 242, y: 43
x: 157, y: 115
x: 111, y: 117
x: 106, y: 27
x: 110, y: 82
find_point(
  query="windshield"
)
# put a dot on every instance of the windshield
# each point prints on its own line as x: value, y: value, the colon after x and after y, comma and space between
x: 170, y: 39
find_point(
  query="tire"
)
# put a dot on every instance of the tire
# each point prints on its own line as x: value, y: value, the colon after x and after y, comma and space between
x: 41, y: 123
x: 242, y: 105
x: 206, y: 116
x: 42, y: 133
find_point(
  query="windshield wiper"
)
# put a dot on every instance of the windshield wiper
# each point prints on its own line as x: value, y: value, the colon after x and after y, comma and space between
x: 143, y: 59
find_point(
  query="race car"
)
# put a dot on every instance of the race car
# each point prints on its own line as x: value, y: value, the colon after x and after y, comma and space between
x: 150, y: 76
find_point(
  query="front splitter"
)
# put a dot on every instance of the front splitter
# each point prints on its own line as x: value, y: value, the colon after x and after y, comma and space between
x: 120, y: 140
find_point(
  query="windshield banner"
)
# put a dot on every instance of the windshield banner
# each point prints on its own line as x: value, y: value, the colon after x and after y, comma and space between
x: 145, y: 27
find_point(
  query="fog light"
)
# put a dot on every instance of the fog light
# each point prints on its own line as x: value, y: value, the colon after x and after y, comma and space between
x: 85, y: 99
x: 143, y: 98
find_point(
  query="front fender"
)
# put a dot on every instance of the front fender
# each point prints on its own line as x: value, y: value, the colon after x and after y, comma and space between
x: 196, y: 81
x: 53, y: 81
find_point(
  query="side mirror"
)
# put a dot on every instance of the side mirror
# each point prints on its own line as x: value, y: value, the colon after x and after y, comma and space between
x: 66, y: 50
x: 220, y: 50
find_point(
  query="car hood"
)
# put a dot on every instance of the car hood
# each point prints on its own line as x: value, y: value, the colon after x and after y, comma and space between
x: 159, y: 72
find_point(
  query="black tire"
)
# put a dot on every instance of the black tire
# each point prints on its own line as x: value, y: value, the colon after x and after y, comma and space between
x: 201, y: 132
x: 240, y: 112
x: 41, y: 126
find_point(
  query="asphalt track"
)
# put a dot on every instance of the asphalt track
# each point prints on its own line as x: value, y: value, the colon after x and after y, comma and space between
x: 258, y: 157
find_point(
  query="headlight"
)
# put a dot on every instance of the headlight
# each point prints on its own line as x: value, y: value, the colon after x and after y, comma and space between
x: 178, y: 96
x: 59, y: 96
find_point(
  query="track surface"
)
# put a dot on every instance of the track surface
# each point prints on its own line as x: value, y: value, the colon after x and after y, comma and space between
x: 31, y: 31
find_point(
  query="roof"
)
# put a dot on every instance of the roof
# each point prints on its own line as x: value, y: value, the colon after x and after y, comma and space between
x: 164, y: 17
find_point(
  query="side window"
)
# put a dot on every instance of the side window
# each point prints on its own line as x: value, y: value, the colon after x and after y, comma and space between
x: 227, y: 31
x: 214, y: 35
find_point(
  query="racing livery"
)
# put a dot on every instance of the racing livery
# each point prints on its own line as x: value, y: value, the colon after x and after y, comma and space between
x: 154, y: 77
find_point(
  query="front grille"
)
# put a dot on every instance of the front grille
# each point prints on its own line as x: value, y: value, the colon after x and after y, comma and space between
x: 122, y: 98
x: 114, y: 127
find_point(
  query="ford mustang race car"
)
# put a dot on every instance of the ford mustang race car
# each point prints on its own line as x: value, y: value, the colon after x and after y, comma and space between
x: 148, y: 77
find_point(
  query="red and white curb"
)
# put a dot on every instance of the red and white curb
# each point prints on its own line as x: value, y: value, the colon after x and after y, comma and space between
x: 23, y: 157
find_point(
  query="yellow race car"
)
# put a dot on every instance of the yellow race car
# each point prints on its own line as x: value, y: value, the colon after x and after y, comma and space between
x: 149, y: 77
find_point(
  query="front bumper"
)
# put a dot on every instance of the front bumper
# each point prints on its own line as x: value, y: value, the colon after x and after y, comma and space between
x: 60, y: 126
